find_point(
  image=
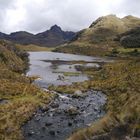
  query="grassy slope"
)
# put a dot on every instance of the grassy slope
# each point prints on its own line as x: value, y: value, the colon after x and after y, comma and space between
x: 100, y: 37
x: 22, y: 96
x: 119, y: 80
x: 33, y: 48
x: 121, y: 83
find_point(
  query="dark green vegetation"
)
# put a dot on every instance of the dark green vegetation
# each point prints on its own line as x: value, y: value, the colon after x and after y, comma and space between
x: 131, y: 38
x: 105, y: 34
x: 19, y: 99
x: 50, y: 38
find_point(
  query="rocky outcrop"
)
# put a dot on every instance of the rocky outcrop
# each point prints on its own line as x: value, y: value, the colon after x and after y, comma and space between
x: 131, y: 38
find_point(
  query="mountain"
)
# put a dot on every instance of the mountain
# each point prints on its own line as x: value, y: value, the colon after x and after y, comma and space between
x: 50, y: 38
x: 3, y: 36
x: 101, y: 36
x: 55, y: 36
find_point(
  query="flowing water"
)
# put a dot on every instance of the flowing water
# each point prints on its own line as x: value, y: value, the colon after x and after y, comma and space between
x: 66, y: 113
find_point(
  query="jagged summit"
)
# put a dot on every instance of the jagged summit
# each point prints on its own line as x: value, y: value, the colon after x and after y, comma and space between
x: 55, y: 28
x: 50, y: 38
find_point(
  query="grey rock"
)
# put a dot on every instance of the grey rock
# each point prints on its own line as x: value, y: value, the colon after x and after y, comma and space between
x: 52, y: 132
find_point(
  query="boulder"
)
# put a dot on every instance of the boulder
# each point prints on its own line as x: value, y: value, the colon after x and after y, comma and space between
x: 78, y: 94
x: 72, y: 111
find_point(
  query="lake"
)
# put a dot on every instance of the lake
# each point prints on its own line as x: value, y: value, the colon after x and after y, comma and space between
x: 59, y: 68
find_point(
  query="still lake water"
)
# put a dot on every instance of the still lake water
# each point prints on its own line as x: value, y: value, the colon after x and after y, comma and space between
x: 51, y: 66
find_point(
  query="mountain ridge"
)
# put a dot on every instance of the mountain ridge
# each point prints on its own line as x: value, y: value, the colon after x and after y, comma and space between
x: 49, y: 38
x: 101, y: 35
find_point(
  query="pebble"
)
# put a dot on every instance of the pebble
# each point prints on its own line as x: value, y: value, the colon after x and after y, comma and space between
x: 48, y: 124
x: 52, y: 132
x: 69, y: 124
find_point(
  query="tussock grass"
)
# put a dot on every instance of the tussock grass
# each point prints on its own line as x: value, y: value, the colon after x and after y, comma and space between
x: 120, y: 81
x: 23, y: 97
x: 33, y: 48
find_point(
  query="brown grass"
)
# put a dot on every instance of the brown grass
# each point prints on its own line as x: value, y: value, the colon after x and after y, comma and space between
x: 23, y: 98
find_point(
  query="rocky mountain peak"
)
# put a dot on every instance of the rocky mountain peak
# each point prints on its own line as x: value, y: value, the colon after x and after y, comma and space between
x: 55, y: 28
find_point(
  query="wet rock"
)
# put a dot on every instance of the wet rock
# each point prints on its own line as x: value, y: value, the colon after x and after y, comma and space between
x: 96, y: 108
x: 88, y: 105
x: 4, y: 101
x: 72, y: 111
x: 137, y: 133
x: 43, y: 128
x: 61, y: 77
x: 30, y: 133
x: 54, y: 105
x: 69, y: 123
x: 53, y: 110
x: 44, y: 109
x: 52, y: 132
x: 50, y: 115
x: 77, y: 94
x: 59, y: 111
x: 37, y: 119
x: 75, y: 121
x: 48, y: 124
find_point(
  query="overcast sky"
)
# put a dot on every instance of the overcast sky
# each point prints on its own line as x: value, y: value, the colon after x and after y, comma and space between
x: 39, y: 15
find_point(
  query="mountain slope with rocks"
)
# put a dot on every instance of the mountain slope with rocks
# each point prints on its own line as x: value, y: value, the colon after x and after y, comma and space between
x: 50, y: 38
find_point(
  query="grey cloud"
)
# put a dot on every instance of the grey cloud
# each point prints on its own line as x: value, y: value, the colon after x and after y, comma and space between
x: 4, y: 6
x: 131, y: 7
x: 69, y: 14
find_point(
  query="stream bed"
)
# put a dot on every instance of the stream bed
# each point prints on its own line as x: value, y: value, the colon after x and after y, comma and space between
x: 66, y: 113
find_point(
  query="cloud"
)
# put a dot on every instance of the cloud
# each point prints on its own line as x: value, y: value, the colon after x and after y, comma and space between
x: 4, y: 5
x: 39, y: 15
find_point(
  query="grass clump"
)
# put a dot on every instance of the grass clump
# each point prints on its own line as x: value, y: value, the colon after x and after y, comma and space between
x: 33, y: 48
x: 22, y: 97
x: 120, y: 81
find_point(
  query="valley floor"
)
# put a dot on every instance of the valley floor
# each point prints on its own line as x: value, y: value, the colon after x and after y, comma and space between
x: 120, y: 81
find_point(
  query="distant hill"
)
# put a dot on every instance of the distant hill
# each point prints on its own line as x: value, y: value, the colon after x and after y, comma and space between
x: 50, y: 38
x: 102, y: 35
